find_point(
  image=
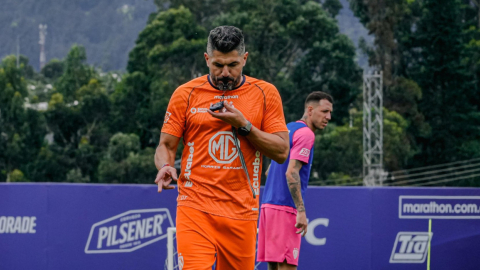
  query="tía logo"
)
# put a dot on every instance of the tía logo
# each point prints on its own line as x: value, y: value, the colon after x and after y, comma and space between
x: 129, y: 231
x: 221, y: 147
x: 295, y: 253
x: 410, y: 247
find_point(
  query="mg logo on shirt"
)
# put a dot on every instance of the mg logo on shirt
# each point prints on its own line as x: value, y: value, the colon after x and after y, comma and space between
x: 410, y: 247
x: 221, y: 147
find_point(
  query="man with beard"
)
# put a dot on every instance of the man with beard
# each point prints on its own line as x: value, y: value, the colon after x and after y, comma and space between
x: 219, y: 184
x: 283, y: 218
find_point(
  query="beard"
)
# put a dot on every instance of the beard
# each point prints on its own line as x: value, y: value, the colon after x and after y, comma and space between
x: 225, y: 83
x: 319, y: 126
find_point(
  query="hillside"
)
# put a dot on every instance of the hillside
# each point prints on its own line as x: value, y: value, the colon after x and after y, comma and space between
x: 106, y: 28
x: 351, y: 26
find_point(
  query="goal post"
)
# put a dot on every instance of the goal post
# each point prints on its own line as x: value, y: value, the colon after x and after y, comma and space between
x: 170, y: 249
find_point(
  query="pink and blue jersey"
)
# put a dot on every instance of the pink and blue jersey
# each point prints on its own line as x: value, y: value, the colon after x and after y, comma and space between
x: 276, y: 189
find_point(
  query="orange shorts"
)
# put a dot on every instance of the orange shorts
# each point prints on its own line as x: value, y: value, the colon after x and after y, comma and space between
x: 202, y: 238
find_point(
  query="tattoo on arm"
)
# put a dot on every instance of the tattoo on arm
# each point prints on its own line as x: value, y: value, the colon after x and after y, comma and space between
x: 294, y: 185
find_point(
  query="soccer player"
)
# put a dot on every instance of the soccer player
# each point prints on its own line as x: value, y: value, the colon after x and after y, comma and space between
x: 283, y: 218
x: 217, y: 205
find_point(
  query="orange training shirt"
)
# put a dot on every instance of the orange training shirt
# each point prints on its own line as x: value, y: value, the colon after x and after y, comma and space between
x: 212, y: 178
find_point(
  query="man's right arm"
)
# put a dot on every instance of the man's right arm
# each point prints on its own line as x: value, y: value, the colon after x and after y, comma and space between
x: 295, y: 187
x: 165, y: 154
x: 172, y: 130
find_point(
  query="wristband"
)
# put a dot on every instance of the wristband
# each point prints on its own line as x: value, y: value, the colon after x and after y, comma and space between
x: 166, y: 164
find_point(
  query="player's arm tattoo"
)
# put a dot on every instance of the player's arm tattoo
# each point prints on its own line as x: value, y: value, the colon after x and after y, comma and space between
x: 294, y: 184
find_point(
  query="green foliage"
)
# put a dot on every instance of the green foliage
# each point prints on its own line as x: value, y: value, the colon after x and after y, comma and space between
x: 63, y: 121
x: 333, y: 7
x: 121, y: 145
x: 76, y: 73
x: 296, y: 45
x: 341, y: 144
x: 170, y: 47
x: 338, y: 150
x: 17, y: 176
x: 21, y: 129
x: 53, y: 69
x: 125, y: 162
x: 75, y: 176
x: 396, y: 145
x: 51, y: 164
x: 429, y: 55
x: 168, y: 53
x: 283, y: 45
x: 341, y: 179
x: 93, y: 102
x: 445, y: 80
x: 11, y: 79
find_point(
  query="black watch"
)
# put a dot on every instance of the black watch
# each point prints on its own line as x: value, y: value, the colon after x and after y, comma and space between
x: 244, y: 131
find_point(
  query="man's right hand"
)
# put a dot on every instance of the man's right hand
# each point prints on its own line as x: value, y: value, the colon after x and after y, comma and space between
x: 164, y: 177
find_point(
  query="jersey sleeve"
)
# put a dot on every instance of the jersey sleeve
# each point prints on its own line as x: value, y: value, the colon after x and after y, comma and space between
x: 274, y: 119
x: 175, y: 116
x: 302, y: 141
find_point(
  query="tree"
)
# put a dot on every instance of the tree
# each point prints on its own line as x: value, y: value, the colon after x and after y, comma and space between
x: 17, y: 176
x: 287, y: 48
x: 76, y: 73
x: 81, y: 127
x: 75, y: 176
x: 429, y: 55
x: 333, y: 7
x: 78, y: 115
x: 338, y: 150
x: 168, y: 53
x: 440, y: 71
x: 285, y: 45
x: 53, y: 69
x: 125, y: 162
x: 21, y: 129
x: 283, y: 41
x: 51, y: 164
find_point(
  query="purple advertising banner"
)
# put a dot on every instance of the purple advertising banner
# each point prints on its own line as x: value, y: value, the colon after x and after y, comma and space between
x: 439, y: 207
x: 96, y: 227
x: 405, y: 220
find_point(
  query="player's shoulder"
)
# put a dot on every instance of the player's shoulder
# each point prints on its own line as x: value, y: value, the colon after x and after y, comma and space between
x: 188, y: 87
x: 263, y: 85
x: 301, y: 129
